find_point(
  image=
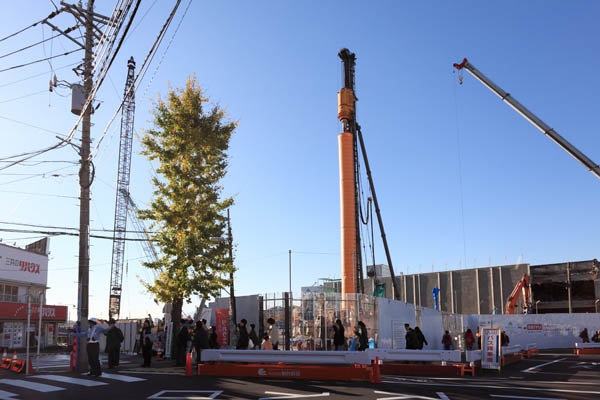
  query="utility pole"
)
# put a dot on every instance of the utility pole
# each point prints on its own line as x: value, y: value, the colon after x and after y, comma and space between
x: 84, y: 183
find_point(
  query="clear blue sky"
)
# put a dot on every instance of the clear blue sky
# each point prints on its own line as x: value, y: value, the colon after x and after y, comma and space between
x: 274, y: 67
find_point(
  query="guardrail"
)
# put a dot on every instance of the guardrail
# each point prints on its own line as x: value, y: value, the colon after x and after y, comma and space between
x: 415, y: 355
x: 286, y: 357
x: 587, y: 345
x: 515, y: 348
x: 472, y: 355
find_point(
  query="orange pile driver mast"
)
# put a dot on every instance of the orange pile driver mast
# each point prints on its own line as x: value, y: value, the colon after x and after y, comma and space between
x: 521, y: 286
x: 350, y: 229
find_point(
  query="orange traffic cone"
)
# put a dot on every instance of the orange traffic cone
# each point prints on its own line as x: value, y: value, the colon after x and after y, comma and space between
x: 188, y: 365
x: 376, y: 377
x: 15, y: 355
x: 159, y: 353
x: 30, y: 369
x: 4, y: 355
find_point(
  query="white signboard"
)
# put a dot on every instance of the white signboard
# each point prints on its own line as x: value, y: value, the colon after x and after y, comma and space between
x: 23, y: 266
x: 490, y: 349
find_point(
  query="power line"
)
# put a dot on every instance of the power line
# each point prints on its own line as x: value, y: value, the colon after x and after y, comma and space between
x: 39, y: 61
x: 60, y: 233
x: 37, y: 75
x: 63, y: 227
x: 38, y: 43
x: 23, y: 97
x: 31, y: 126
x: 40, y: 174
x: 52, y: 15
x: 39, y: 194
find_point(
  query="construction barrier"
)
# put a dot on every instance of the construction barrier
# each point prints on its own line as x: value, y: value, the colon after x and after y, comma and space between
x: 587, y: 348
x: 415, y: 355
x: 288, y: 357
x: 17, y: 366
x: 5, y: 363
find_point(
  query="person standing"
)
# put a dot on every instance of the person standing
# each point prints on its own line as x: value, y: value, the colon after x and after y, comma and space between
x: 254, y: 337
x: 273, y: 333
x: 363, y: 339
x: 339, y: 340
x: 469, y: 339
x: 114, y: 337
x: 213, y: 339
x: 266, y: 344
x: 447, y: 341
x: 420, y: 338
x: 410, y: 337
x: 243, y: 340
x: 504, y: 339
x: 146, y: 339
x: 584, y: 335
x: 181, y: 344
x: 93, y: 345
x: 200, y: 340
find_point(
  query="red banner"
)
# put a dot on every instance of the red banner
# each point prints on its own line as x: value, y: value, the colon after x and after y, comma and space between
x: 222, y: 324
x: 19, y: 311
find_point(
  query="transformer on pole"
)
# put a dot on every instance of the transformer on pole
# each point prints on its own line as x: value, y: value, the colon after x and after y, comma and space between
x: 121, y: 202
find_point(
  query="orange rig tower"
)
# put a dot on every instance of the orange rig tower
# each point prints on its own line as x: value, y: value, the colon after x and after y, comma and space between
x: 348, y: 144
x: 351, y: 256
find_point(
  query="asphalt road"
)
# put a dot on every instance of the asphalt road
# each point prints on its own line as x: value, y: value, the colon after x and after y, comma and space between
x: 546, y: 376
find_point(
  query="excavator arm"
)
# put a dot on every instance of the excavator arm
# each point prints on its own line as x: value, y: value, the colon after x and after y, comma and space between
x: 521, y: 286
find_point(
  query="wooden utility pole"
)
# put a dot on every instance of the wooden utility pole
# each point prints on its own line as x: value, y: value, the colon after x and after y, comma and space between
x: 84, y: 197
x: 231, y: 291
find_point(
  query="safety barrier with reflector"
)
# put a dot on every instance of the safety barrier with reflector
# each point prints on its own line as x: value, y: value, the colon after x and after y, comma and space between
x: 587, y: 348
x: 6, y: 362
x: 17, y: 366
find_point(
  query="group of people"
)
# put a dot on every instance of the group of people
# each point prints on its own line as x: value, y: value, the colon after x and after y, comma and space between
x: 586, y: 337
x: 114, y: 337
x: 415, y: 339
x: 244, y: 340
x: 195, y: 336
x: 359, y: 341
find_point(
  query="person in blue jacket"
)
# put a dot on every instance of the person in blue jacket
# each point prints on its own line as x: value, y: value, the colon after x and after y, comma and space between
x: 93, y: 345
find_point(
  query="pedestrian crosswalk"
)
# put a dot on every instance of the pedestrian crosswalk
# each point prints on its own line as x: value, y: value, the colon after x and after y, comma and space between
x: 54, y: 383
x: 60, y: 363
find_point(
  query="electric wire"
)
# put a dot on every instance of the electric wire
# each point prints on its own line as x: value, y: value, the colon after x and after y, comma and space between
x: 43, y: 174
x: 63, y: 233
x: 39, y: 61
x: 35, y: 44
x: 29, y: 125
x: 23, y: 97
x: 37, y: 75
x: 65, y: 228
x: 39, y: 194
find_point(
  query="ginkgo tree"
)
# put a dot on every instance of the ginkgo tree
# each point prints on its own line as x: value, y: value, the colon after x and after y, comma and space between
x: 189, y: 139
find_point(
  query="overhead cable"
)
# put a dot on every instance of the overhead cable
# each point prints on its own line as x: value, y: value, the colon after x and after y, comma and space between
x: 37, y: 43
x: 50, y: 16
x: 39, y: 61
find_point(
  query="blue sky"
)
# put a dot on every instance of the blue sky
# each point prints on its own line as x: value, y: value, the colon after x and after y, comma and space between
x: 274, y: 67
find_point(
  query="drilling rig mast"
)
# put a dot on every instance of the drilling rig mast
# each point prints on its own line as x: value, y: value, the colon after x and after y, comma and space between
x: 121, y: 202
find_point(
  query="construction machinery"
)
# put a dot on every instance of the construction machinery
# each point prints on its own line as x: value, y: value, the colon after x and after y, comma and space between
x: 523, y: 286
x: 350, y: 201
x: 532, y: 118
x: 121, y: 202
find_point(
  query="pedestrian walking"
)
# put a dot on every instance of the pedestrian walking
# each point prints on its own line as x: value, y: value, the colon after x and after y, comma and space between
x: 254, y: 338
x: 273, y: 333
x: 584, y: 335
x: 469, y: 339
x: 93, y: 345
x: 181, y: 344
x: 447, y: 341
x: 410, y: 337
x: 596, y: 337
x: 244, y: 339
x: 354, y: 344
x: 420, y: 338
x: 504, y: 339
x: 114, y: 338
x: 147, y: 342
x: 200, y: 340
x: 339, y: 340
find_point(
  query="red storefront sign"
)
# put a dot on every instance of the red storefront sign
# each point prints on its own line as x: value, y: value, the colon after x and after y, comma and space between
x: 19, y: 311
x: 222, y: 317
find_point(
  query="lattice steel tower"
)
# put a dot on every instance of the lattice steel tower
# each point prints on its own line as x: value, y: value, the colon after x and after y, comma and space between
x: 121, y: 202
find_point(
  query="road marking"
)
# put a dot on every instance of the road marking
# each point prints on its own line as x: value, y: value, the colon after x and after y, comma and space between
x: 402, y: 396
x: 68, y: 379
x: 38, y: 387
x: 123, y: 378
x: 152, y: 372
x: 6, y: 395
x: 214, y: 394
x: 526, y: 397
x: 543, y: 365
x: 281, y: 395
x: 502, y: 380
x: 495, y: 387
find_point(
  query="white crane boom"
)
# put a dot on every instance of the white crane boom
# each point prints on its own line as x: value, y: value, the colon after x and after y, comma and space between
x: 529, y: 116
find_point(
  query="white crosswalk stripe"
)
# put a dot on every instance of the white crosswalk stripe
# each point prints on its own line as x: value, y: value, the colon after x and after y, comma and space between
x: 38, y: 387
x: 7, y: 395
x: 122, y: 378
x: 68, y: 379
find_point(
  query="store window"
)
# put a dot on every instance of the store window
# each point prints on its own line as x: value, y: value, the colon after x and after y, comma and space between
x: 9, y: 293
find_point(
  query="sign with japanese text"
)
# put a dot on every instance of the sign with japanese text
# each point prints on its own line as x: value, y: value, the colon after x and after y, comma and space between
x: 23, y: 266
x: 491, y: 350
x: 222, y: 324
x: 19, y: 311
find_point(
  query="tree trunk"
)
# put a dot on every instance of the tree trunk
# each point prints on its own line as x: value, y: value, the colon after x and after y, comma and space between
x: 176, y: 318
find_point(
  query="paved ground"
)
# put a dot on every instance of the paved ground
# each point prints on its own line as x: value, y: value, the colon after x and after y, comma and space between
x: 547, y: 376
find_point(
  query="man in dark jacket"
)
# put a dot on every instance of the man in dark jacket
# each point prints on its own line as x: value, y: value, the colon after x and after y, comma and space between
x: 243, y: 340
x: 411, y: 338
x: 200, y: 340
x: 114, y: 337
x: 181, y: 345
x: 420, y: 338
x: 147, y: 342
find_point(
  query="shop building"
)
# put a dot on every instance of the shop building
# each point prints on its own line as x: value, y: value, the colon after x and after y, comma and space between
x: 23, y: 279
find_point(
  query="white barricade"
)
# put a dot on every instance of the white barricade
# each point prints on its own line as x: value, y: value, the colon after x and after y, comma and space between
x: 286, y: 357
x: 415, y: 355
x: 473, y: 355
x: 515, y: 348
x: 587, y: 345
x: 531, y: 346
